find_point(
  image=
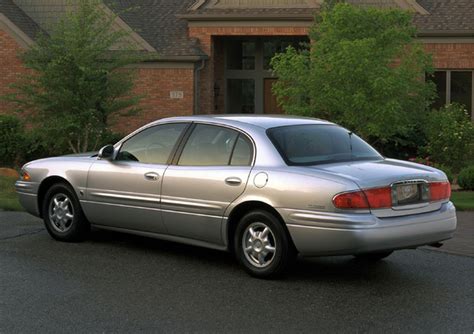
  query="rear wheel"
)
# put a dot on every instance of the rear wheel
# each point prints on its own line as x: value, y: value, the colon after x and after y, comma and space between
x: 62, y: 214
x: 262, y: 244
x: 373, y: 257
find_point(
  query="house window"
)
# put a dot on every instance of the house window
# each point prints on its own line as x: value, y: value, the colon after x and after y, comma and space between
x: 247, y: 72
x: 454, y: 87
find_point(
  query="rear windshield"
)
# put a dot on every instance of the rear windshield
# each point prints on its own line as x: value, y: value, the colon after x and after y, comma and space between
x: 319, y: 144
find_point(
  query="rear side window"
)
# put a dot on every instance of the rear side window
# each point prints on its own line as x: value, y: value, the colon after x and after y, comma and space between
x: 153, y: 145
x: 210, y: 145
x: 242, y: 155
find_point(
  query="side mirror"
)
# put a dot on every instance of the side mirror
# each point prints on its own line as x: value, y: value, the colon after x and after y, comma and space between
x: 107, y: 152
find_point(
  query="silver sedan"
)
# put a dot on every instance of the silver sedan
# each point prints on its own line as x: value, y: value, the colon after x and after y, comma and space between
x: 263, y: 187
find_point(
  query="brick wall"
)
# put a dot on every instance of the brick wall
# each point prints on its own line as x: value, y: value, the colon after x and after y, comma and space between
x: 156, y: 84
x: 205, y: 36
x: 452, y: 55
x: 10, y: 67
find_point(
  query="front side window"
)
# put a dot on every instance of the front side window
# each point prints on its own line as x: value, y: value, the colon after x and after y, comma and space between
x: 211, y: 145
x: 304, y: 145
x: 153, y: 145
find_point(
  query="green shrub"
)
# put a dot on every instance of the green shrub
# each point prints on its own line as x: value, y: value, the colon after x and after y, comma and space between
x: 11, y: 139
x: 450, y: 132
x: 446, y: 170
x: 466, y: 178
x: 36, y: 146
x: 109, y: 137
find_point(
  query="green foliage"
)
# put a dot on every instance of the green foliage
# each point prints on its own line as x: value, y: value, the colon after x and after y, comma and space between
x: 8, y: 197
x: 79, y: 78
x: 463, y: 200
x: 365, y: 70
x: 11, y: 139
x: 449, y: 173
x: 466, y: 178
x: 450, y: 134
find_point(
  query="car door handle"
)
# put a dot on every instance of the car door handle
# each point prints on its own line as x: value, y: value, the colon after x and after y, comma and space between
x: 233, y: 181
x: 151, y: 176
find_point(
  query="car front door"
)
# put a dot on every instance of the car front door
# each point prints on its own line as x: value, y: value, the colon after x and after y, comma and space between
x: 125, y: 192
x: 211, y: 171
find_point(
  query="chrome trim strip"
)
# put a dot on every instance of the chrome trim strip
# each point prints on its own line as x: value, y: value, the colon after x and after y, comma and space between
x: 165, y: 201
x: 409, y: 182
x: 26, y: 194
x: 335, y: 220
x: 25, y: 185
x: 153, y: 209
x: 418, y: 205
x: 194, y: 214
x: 126, y: 197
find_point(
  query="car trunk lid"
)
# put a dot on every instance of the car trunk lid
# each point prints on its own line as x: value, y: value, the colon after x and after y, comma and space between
x: 409, y: 183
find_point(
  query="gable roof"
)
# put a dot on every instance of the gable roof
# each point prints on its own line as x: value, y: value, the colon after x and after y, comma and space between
x: 157, y: 23
x: 252, y: 9
x: 19, y: 18
x: 163, y: 24
x: 446, y: 17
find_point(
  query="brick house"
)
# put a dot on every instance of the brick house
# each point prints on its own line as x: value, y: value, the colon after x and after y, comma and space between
x: 212, y: 56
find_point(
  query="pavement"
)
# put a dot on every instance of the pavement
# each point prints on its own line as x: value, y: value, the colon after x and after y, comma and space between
x: 121, y: 283
x: 463, y: 241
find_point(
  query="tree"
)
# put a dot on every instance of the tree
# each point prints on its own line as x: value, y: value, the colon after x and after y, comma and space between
x: 78, y: 77
x: 364, y: 70
x: 450, y: 135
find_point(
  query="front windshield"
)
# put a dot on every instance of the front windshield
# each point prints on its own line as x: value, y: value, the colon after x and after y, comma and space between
x: 314, y: 144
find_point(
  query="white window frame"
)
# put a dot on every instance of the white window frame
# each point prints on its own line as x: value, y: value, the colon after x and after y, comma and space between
x: 448, y: 86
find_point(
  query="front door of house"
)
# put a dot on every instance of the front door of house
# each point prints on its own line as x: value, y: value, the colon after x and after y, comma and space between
x: 270, y: 103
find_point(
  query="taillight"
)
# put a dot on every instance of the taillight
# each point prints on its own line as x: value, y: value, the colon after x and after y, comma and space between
x: 440, y: 191
x: 352, y: 200
x: 379, y: 198
x: 375, y: 198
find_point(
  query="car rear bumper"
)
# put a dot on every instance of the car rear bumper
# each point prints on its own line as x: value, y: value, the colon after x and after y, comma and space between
x: 333, y: 234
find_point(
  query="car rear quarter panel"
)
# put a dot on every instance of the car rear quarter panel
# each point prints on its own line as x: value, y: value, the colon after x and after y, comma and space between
x: 285, y: 188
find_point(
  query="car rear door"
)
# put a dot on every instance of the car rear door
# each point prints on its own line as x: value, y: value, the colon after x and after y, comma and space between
x: 125, y: 192
x: 209, y: 172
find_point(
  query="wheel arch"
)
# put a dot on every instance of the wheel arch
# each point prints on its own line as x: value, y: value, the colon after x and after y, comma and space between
x: 45, y: 185
x: 242, y: 209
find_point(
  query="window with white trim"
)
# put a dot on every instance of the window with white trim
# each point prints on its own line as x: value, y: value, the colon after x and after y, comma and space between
x: 454, y: 86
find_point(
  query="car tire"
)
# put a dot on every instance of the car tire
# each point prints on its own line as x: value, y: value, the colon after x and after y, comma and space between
x: 63, y: 215
x: 262, y: 245
x: 373, y: 257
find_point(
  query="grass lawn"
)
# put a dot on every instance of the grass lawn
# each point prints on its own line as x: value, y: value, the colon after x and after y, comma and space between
x: 8, y: 197
x: 463, y: 200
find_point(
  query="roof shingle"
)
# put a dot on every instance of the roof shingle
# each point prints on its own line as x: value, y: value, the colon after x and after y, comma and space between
x: 161, y: 22
x: 19, y: 18
x: 446, y: 16
x: 157, y: 23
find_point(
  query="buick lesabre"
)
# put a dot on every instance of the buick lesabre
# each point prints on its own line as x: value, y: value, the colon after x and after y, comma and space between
x: 264, y: 187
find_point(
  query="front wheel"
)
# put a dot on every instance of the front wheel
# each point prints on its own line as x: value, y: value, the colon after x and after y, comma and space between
x: 262, y: 244
x: 62, y: 214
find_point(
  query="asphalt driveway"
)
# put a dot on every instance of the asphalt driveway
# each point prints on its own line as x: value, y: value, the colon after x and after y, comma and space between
x: 120, y: 283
